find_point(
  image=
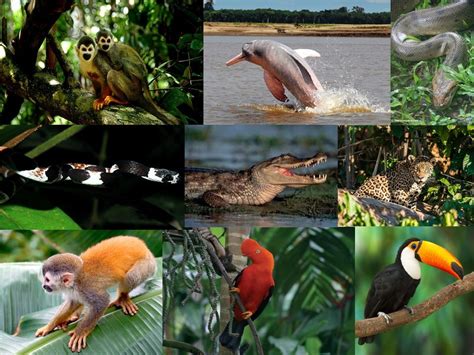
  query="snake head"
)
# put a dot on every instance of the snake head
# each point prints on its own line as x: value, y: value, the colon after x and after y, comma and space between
x: 443, y: 89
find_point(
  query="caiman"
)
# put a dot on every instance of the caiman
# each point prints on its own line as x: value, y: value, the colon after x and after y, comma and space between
x: 254, y: 186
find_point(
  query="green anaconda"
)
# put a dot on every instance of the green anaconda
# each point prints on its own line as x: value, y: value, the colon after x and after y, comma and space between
x: 439, y: 22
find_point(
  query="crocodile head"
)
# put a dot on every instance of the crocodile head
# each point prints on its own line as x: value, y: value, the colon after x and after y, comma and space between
x: 281, y: 170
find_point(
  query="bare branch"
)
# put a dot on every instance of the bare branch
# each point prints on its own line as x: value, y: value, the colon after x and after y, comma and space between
x: 70, y: 81
x: 373, y: 326
x: 4, y: 30
x: 217, y: 262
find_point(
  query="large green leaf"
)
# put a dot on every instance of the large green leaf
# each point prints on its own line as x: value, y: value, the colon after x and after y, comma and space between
x: 314, y: 271
x: 115, y: 333
x: 21, y: 293
x: 22, y: 217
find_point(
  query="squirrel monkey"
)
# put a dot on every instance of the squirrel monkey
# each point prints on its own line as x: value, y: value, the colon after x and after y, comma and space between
x: 84, y: 281
x: 128, y: 76
x: 95, y: 66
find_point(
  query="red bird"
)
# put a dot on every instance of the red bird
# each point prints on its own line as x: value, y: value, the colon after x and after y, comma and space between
x: 254, y: 284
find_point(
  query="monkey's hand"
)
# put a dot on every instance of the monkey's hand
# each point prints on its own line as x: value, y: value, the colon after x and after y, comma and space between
x: 41, y: 332
x: 77, y: 341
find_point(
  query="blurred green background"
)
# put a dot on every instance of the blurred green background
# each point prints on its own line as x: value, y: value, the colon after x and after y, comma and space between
x: 16, y: 246
x: 447, y: 331
x: 312, y: 307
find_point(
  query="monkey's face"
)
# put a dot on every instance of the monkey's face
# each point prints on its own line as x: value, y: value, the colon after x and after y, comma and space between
x: 105, y: 43
x: 86, y: 52
x: 53, y: 282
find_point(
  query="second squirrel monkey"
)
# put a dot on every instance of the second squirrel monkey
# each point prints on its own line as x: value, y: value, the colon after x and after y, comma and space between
x: 95, y: 66
x: 84, y: 281
x: 128, y: 76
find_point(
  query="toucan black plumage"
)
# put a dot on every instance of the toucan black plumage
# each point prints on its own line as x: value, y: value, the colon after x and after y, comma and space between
x: 393, y: 287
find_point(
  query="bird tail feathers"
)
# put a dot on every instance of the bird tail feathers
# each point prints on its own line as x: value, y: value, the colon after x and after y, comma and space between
x: 231, y: 340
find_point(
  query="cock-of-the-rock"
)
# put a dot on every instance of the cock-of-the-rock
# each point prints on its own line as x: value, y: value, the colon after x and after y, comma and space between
x: 254, y: 284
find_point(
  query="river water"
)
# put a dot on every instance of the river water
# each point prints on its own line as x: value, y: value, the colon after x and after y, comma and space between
x: 354, y: 72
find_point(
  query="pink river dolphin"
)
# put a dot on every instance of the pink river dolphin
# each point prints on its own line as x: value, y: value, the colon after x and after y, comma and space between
x: 283, y: 67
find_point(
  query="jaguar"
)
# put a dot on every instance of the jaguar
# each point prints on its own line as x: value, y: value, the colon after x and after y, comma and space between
x: 402, y: 184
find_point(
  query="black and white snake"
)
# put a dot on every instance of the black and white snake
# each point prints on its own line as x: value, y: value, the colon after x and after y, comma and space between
x: 14, y: 164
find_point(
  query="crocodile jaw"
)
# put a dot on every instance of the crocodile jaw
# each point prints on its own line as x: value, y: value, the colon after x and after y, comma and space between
x: 281, y: 172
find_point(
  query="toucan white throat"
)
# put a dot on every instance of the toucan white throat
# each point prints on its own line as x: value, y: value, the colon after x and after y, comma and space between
x: 410, y: 264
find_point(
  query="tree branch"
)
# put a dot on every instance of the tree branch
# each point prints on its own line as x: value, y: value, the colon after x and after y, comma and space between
x: 388, y: 212
x: 73, y: 104
x: 69, y: 79
x: 373, y: 326
x: 41, y: 16
x: 182, y: 346
x: 216, y: 261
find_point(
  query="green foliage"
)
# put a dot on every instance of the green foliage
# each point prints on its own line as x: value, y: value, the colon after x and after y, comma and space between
x: 341, y: 15
x: 28, y: 245
x: 350, y: 213
x: 312, y: 303
x: 23, y: 303
x: 168, y: 36
x: 412, y: 89
x: 115, y: 332
x: 43, y: 216
x: 311, y: 310
x: 447, y: 331
x: 449, y: 191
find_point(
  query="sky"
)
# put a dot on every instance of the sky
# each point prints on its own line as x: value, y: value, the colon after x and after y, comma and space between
x: 312, y: 5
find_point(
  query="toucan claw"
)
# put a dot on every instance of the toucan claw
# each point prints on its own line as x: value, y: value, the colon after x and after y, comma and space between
x: 409, y: 309
x: 387, y: 318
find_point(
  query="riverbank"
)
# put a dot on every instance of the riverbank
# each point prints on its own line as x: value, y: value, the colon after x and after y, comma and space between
x: 285, y: 29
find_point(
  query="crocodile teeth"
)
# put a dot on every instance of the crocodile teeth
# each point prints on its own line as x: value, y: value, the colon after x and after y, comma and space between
x: 320, y: 177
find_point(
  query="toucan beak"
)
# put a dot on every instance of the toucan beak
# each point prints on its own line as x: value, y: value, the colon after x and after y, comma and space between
x: 440, y: 258
x: 238, y: 58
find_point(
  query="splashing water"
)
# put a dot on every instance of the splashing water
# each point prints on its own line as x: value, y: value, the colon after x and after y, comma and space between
x: 332, y: 101
x: 343, y: 100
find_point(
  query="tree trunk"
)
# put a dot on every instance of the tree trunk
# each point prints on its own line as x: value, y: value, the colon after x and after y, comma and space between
x: 235, y: 237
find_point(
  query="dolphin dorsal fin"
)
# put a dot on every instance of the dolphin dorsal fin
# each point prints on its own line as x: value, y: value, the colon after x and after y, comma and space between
x: 305, y: 53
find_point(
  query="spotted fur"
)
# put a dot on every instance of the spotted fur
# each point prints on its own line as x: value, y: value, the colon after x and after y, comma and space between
x: 402, y: 184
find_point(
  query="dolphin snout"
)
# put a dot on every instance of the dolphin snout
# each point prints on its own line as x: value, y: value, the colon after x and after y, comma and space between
x: 238, y: 58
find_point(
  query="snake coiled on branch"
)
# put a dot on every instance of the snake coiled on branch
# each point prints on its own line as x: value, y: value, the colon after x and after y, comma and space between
x: 439, y: 22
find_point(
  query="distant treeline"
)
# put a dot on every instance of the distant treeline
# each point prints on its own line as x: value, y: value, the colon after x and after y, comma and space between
x: 342, y: 15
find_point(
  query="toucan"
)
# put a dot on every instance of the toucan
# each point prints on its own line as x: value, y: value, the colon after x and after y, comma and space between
x: 393, y: 287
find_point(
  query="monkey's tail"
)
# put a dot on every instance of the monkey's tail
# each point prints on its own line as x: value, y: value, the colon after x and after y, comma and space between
x: 147, y: 103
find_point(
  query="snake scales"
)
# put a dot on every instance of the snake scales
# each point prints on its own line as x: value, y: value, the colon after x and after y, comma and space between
x: 438, y: 22
x: 19, y: 166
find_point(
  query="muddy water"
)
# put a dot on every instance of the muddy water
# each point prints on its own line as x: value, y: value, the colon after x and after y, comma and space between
x: 239, y: 147
x: 353, y: 71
